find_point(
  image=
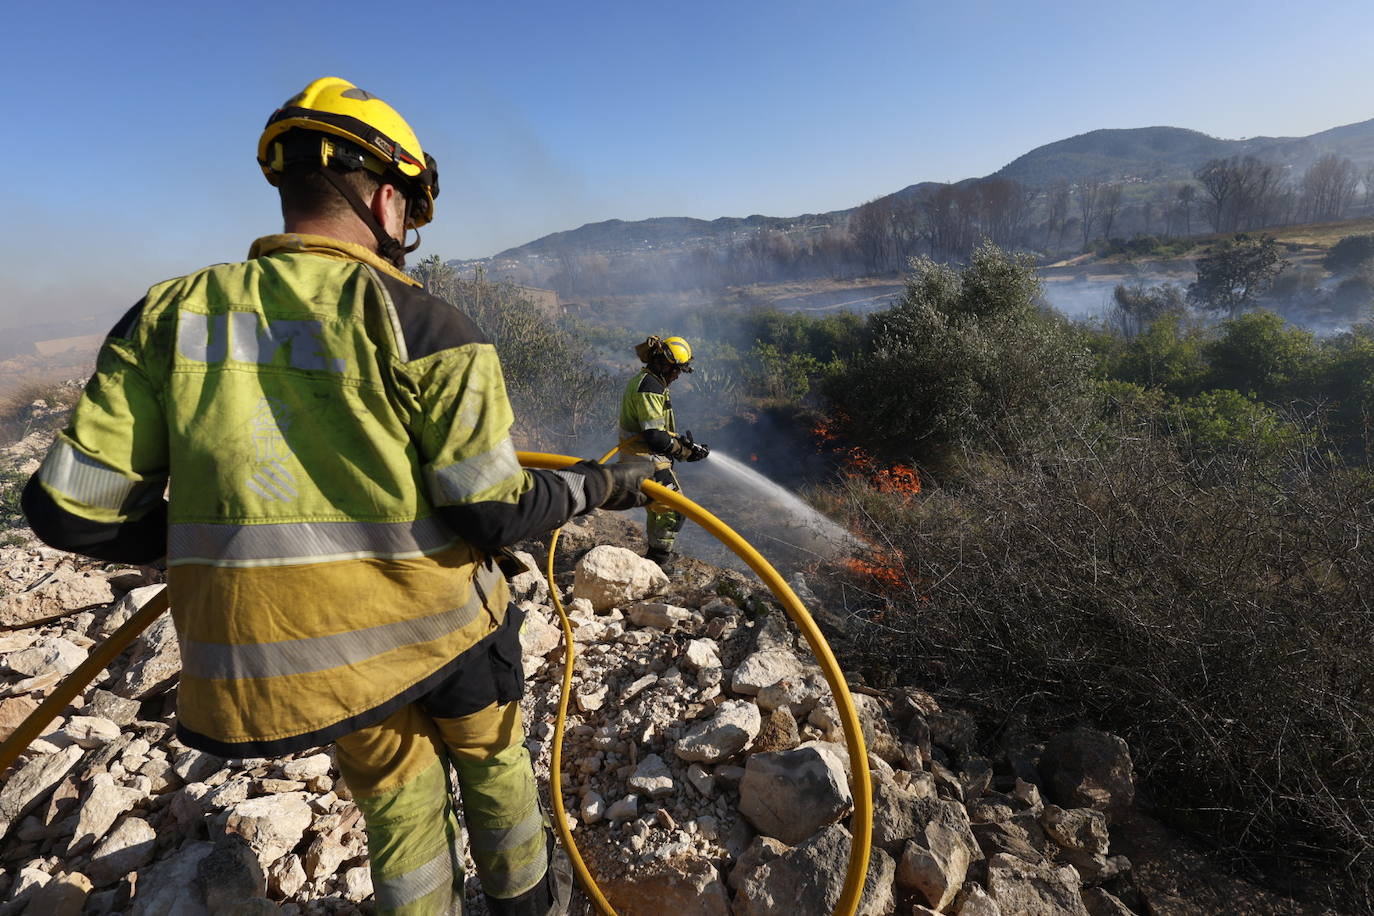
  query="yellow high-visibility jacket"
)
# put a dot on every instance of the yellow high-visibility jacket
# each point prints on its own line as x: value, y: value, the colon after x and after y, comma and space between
x: 647, y: 426
x: 338, y: 449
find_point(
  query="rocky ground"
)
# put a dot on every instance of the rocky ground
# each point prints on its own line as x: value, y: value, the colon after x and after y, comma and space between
x: 704, y: 768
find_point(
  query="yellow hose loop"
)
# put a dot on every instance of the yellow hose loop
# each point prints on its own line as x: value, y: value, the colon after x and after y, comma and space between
x: 76, y: 682
x: 861, y: 824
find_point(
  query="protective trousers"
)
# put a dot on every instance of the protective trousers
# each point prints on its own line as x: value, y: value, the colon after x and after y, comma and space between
x: 398, y: 772
x: 661, y: 523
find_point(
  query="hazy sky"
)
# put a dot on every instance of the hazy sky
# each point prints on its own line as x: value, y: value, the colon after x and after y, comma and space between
x: 133, y: 125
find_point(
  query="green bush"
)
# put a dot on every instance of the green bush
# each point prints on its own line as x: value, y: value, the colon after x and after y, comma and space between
x: 1261, y: 354
x: 1350, y: 254
x: 966, y: 358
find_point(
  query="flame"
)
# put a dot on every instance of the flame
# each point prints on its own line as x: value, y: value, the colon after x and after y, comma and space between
x: 879, y: 569
x: 753, y: 457
x: 898, y: 479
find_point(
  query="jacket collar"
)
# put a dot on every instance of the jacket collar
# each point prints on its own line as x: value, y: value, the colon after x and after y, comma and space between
x: 326, y: 247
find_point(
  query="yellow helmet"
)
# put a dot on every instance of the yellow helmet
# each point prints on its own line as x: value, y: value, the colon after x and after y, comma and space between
x: 374, y: 136
x: 678, y: 352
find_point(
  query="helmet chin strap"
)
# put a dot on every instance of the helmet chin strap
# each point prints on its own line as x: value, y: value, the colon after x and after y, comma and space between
x: 387, y: 246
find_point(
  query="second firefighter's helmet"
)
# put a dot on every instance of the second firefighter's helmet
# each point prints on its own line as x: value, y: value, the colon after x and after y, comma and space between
x: 334, y: 124
x: 671, y: 351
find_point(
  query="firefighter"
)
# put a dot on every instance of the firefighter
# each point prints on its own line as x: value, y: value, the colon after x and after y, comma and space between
x: 341, y: 479
x: 649, y: 437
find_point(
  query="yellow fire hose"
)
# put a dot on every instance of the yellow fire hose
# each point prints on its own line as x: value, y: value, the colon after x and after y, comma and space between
x: 861, y: 824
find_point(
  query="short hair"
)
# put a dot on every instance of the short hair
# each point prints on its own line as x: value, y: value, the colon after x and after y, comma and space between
x: 307, y: 193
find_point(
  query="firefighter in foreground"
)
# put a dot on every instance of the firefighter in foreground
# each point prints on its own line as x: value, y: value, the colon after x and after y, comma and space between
x: 337, y: 445
x: 649, y: 437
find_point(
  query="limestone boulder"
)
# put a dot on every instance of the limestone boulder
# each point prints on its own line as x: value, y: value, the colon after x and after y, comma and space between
x: 806, y: 880
x: 733, y: 727
x: 790, y: 795
x: 65, y: 590
x: 155, y: 662
x: 128, y: 848
x: 1034, y: 890
x: 609, y: 576
x: 1086, y: 768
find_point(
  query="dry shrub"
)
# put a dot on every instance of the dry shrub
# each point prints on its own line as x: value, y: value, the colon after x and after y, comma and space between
x: 1217, y: 611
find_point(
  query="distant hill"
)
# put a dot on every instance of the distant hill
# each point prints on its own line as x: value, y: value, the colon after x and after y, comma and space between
x: 1157, y: 153
x: 675, y: 253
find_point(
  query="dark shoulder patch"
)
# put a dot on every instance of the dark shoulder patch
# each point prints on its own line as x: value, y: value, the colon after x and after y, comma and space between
x: 125, y: 326
x: 428, y: 323
x: 651, y: 384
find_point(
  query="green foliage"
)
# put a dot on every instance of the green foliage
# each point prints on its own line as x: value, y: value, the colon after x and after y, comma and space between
x: 966, y: 358
x: 1136, y: 306
x: 1147, y: 246
x: 11, y: 489
x: 1259, y: 353
x: 783, y: 375
x: 1352, y: 253
x: 1167, y: 355
x: 1228, y: 421
x: 1232, y: 274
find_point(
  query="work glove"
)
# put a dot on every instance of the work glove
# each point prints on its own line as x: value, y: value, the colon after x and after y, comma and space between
x: 693, y: 450
x: 614, y: 486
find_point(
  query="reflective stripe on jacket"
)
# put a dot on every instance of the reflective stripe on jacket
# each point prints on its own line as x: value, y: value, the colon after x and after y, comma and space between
x: 320, y: 414
x: 646, y: 405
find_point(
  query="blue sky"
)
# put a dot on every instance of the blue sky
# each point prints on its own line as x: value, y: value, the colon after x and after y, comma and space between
x: 140, y: 119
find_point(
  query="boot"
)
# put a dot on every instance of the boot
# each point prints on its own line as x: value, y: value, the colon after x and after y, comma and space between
x: 664, y: 558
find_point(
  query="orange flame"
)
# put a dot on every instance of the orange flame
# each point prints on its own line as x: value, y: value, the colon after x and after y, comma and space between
x: 898, y: 479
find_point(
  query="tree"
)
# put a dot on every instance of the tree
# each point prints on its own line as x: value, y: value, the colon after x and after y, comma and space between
x: 1328, y: 187
x: 1187, y: 193
x: 1089, y: 195
x: 1261, y: 355
x: 1109, y: 207
x: 1135, y: 307
x: 1232, y: 274
x: 967, y: 357
x: 1057, y: 202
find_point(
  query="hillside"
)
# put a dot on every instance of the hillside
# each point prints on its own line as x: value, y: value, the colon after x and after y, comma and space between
x: 617, y: 257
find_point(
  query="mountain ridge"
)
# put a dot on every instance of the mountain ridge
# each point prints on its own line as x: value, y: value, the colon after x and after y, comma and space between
x: 1158, y: 153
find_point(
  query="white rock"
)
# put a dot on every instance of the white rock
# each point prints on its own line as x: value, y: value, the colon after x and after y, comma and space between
x: 92, y: 731
x: 272, y: 825
x: 658, y: 615
x: 128, y: 848
x: 734, y: 726
x: 156, y: 660
x: 105, y: 803
x: 624, y: 810
x: 652, y: 777
x: 32, y: 782
x: 701, y: 653
x: 593, y: 808
x: 50, y: 653
x: 307, y: 768
x: 358, y: 883
x: 765, y: 668
x: 610, y: 577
